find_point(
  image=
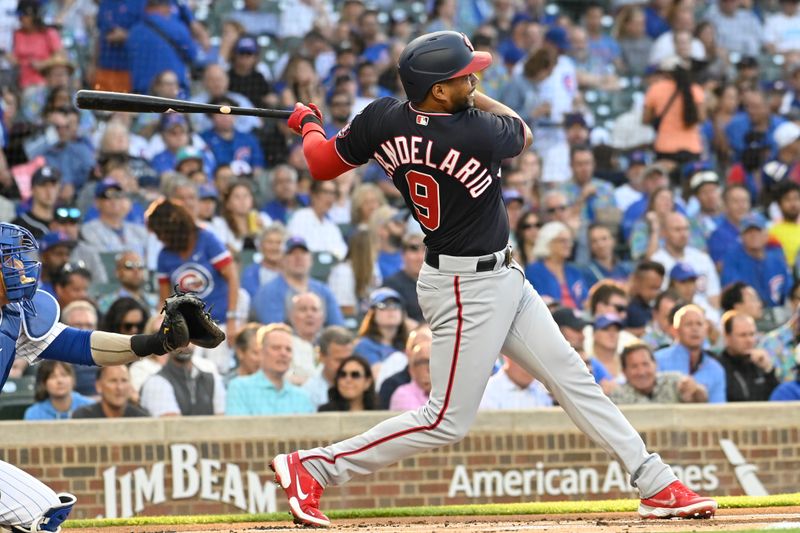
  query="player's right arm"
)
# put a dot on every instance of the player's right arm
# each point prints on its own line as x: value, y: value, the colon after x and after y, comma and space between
x: 490, y: 105
x: 324, y: 162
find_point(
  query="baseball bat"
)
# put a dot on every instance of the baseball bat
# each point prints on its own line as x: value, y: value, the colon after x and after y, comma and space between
x: 141, y: 103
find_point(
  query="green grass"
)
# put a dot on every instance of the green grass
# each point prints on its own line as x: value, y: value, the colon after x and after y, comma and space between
x: 532, y: 508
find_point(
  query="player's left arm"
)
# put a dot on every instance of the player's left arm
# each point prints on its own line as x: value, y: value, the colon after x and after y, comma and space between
x: 490, y: 105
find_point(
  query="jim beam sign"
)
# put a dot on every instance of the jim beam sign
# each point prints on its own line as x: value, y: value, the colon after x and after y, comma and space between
x: 254, y: 492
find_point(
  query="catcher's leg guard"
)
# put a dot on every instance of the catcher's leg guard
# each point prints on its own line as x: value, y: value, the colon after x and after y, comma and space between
x: 52, y: 518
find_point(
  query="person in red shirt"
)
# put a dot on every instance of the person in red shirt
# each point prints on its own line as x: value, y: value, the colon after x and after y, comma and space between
x: 34, y: 43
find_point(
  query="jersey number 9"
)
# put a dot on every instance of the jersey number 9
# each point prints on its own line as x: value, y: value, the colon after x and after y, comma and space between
x: 424, y: 192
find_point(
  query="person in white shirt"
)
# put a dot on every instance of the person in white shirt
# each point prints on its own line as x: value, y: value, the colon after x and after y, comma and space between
x: 782, y: 30
x: 306, y: 316
x: 335, y: 345
x: 681, y: 21
x: 312, y: 223
x: 512, y: 387
x: 676, y: 249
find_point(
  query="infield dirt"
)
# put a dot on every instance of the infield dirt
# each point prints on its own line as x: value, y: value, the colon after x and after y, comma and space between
x: 769, y: 518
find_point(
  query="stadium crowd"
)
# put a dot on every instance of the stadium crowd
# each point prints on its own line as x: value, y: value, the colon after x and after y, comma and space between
x: 658, y: 211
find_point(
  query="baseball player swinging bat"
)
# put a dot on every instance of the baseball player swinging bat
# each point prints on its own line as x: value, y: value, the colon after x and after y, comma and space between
x: 29, y: 328
x: 141, y: 103
x: 442, y: 149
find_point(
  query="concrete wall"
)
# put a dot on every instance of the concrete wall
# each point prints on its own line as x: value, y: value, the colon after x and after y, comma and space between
x: 219, y: 464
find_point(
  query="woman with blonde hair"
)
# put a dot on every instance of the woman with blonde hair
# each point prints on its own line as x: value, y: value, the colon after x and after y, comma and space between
x: 552, y: 274
x: 352, y: 280
x: 366, y: 198
x: 630, y: 32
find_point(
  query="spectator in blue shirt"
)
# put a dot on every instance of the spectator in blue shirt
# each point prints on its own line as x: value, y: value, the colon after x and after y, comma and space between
x: 736, y: 206
x: 383, y: 330
x: 227, y: 144
x: 265, y: 392
x: 72, y: 155
x: 55, y: 394
x: 755, y: 117
x: 115, y: 18
x: 273, y: 299
x: 285, y: 198
x: 551, y: 274
x: 753, y: 262
x: 159, y: 42
x: 686, y: 354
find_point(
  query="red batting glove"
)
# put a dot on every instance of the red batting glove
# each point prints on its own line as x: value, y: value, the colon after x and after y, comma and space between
x: 302, y: 115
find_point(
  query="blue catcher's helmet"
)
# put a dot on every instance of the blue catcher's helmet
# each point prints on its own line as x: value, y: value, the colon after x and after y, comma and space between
x: 19, y: 265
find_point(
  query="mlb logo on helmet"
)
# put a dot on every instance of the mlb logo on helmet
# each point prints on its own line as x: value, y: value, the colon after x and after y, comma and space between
x: 468, y: 42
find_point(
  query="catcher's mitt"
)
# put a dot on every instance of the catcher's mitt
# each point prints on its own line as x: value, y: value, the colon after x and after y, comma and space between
x: 186, y: 320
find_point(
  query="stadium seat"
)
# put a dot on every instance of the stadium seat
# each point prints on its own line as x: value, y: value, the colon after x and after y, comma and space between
x: 17, y: 395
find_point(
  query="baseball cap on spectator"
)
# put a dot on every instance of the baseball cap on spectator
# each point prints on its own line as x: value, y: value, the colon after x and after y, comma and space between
x: 103, y: 188
x: 682, y: 272
x: 149, y: 181
x: 293, y: 243
x: 566, y: 317
x: 28, y: 7
x: 45, y: 174
x: 637, y: 157
x: 54, y: 239
x: 786, y: 134
x: 701, y: 178
x: 574, y: 119
x: 774, y: 86
x: 246, y: 45
x: 751, y: 221
x: 636, y: 317
x: 384, y: 294
x: 207, y: 191
x: 170, y: 120
x: 747, y: 62
x: 240, y: 168
x: 608, y: 320
x: 557, y: 36
x: 186, y: 153
x: 512, y: 195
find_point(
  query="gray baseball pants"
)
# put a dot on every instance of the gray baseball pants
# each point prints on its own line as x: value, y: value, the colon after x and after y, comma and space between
x: 474, y: 317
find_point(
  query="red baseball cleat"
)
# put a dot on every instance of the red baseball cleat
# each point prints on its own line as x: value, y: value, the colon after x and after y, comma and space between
x: 301, y: 488
x: 676, y: 500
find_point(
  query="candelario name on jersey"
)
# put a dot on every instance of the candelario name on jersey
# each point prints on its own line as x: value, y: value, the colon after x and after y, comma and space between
x: 415, y: 150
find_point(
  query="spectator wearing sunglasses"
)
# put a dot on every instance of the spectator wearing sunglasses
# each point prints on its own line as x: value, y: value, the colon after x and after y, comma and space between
x: 110, y: 232
x: 525, y: 237
x: 126, y: 316
x: 131, y: 273
x: 67, y: 220
x: 354, y: 388
x: 405, y: 280
x: 383, y: 330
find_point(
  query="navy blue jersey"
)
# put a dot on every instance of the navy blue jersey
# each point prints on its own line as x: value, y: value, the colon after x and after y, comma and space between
x: 447, y: 167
